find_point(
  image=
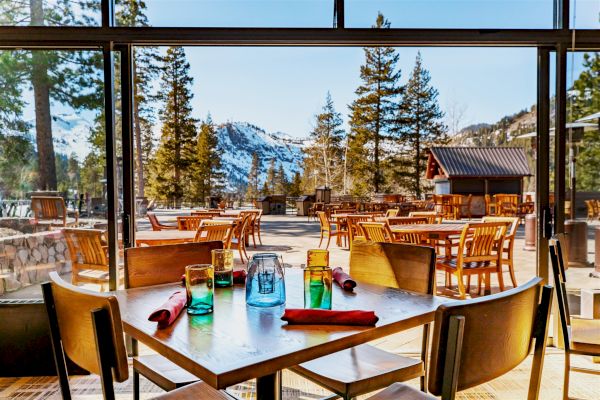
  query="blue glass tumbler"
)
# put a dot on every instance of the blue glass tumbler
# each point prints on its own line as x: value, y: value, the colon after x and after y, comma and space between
x: 265, y: 284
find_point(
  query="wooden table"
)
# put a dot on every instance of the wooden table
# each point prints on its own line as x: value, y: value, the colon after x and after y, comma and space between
x: 156, y: 238
x: 430, y: 231
x: 239, y: 342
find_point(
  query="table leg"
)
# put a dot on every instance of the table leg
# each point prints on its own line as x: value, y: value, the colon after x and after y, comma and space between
x: 269, y: 387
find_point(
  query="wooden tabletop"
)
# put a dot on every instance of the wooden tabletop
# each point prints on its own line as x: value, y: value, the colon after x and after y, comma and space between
x: 433, y: 231
x: 239, y: 342
x: 155, y: 238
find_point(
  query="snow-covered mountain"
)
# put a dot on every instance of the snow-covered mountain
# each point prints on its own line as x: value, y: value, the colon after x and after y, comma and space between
x: 239, y: 140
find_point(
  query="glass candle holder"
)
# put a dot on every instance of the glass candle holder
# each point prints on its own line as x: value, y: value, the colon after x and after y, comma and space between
x: 199, y: 281
x: 222, y: 262
x: 317, y: 258
x: 317, y: 287
x: 265, y: 284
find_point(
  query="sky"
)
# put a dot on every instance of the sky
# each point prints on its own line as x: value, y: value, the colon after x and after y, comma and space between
x: 282, y: 88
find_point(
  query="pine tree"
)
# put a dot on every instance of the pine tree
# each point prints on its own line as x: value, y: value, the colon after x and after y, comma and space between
x: 295, y: 188
x: 266, y: 190
x: 175, y: 154
x: 372, y: 115
x: 271, y: 176
x: 252, y: 191
x: 326, y: 153
x: 206, y: 177
x: 281, y: 181
x: 71, y: 78
x: 419, y: 123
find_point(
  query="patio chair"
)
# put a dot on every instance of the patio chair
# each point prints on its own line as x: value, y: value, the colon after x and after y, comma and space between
x: 157, y: 226
x: 365, y: 368
x: 52, y: 211
x: 376, y: 232
x: 515, y: 323
x: 326, y: 229
x: 432, y: 216
x: 490, y: 206
x: 592, y: 210
x: 508, y: 253
x: 479, y: 253
x: 86, y: 327
x: 392, y: 212
x: 571, y: 324
x: 465, y: 207
x: 211, y: 230
x: 191, y: 223
x: 256, y: 226
x: 88, y: 254
x: 238, y: 238
x: 156, y: 265
x: 252, y: 227
x: 413, y: 238
x: 354, y: 232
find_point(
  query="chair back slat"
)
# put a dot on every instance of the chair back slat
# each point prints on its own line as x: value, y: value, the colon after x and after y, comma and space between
x: 155, y: 265
x: 558, y: 260
x: 397, y: 265
x: 191, y: 222
x: 73, y: 307
x: 86, y: 247
x: 498, y: 334
x: 49, y: 208
x: 432, y: 216
x: 481, y: 241
x: 211, y: 230
x: 376, y: 231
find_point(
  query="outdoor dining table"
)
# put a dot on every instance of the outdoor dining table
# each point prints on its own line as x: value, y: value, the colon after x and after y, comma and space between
x: 238, y: 342
x: 431, y: 231
x: 157, y: 238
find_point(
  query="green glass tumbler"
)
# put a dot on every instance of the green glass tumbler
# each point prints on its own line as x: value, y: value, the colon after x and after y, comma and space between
x: 317, y: 287
x: 199, y: 282
x: 222, y: 262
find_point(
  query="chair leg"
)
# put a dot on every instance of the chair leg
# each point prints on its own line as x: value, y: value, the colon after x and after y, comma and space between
x: 468, y: 283
x: 328, y: 240
x: 488, y: 289
x: 567, y: 372
x: 136, y: 385
x: 461, y: 286
x: 321, y: 241
x: 258, y: 230
x: 511, y: 271
x: 500, y: 279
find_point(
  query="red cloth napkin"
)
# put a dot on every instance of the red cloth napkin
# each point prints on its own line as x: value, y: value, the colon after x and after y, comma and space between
x: 239, y: 276
x: 167, y: 313
x: 343, y: 279
x: 301, y: 316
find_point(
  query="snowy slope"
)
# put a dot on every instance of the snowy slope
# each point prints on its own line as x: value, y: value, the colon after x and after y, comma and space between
x: 239, y: 140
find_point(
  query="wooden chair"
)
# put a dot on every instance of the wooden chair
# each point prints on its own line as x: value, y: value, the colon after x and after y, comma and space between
x: 592, y: 210
x: 465, y: 208
x: 86, y: 327
x: 490, y: 206
x: 392, y: 212
x: 432, y: 216
x: 506, y: 205
x: 89, y: 258
x: 468, y: 350
x: 570, y: 324
x: 52, y: 211
x: 238, y: 238
x: 479, y: 253
x: 211, y: 230
x: 157, y: 226
x: 191, y: 222
x: 413, y: 238
x: 365, y: 368
x: 376, y: 232
x: 354, y: 232
x: 156, y: 265
x: 253, y: 226
x: 508, y: 253
x: 326, y: 228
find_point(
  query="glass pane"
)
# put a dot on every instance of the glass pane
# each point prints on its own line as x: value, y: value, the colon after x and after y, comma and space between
x: 452, y: 13
x: 585, y: 14
x: 52, y: 170
x: 50, y: 13
x: 229, y: 13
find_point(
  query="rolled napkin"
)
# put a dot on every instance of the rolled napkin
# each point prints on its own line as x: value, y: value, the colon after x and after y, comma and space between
x: 301, y: 316
x: 167, y: 313
x: 343, y: 279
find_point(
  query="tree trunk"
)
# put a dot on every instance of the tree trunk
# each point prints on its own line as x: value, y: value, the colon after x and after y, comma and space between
x: 138, y: 138
x: 43, y: 121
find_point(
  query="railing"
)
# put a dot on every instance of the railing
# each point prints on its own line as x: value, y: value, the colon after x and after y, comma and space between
x: 15, y: 208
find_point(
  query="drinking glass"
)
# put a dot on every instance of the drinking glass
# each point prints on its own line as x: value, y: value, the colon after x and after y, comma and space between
x: 265, y: 284
x: 199, y: 280
x: 317, y: 287
x: 222, y: 261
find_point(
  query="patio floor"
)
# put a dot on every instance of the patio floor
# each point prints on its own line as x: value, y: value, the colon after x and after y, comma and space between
x: 292, y: 236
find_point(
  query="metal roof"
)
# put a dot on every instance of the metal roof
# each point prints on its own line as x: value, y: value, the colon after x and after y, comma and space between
x: 484, y: 162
